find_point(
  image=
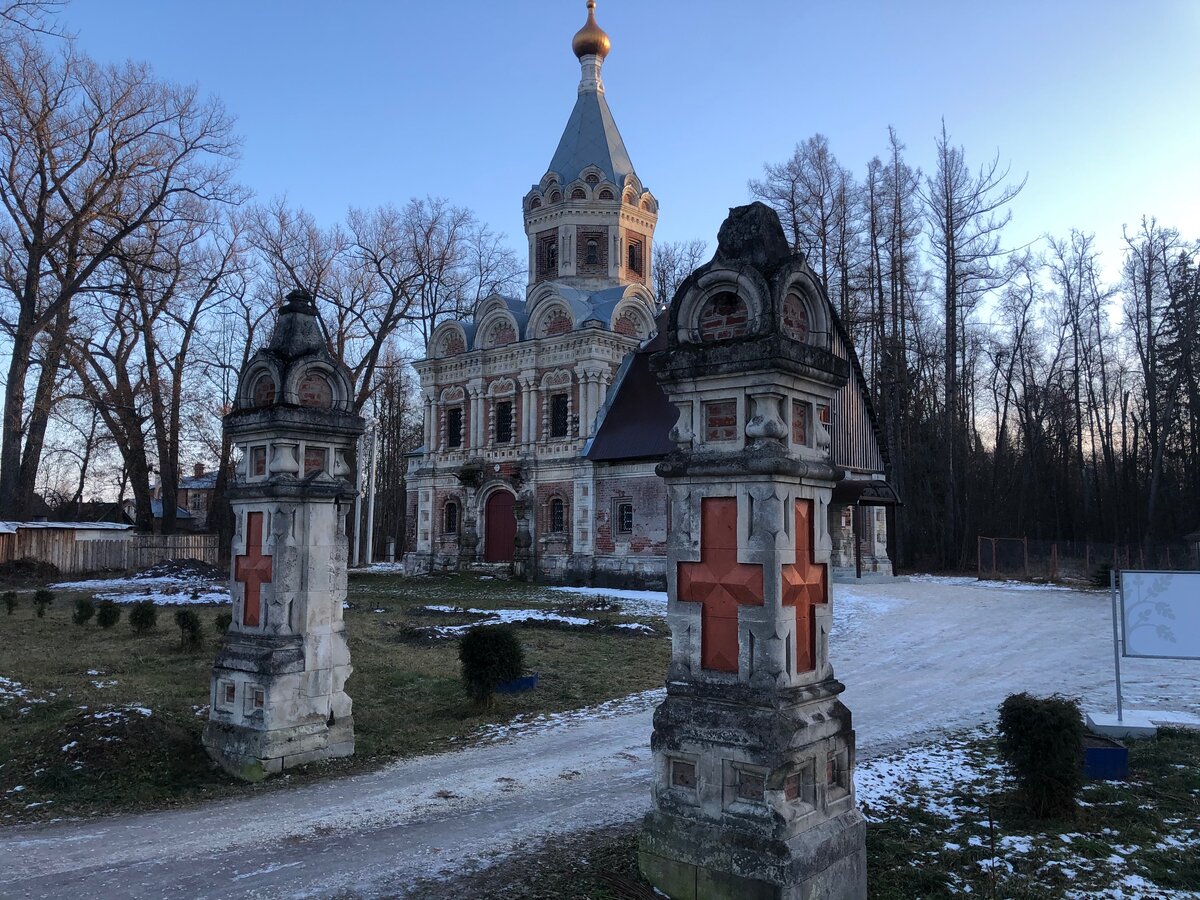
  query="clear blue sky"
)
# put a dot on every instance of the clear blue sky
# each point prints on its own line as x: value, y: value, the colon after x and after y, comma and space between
x: 361, y: 103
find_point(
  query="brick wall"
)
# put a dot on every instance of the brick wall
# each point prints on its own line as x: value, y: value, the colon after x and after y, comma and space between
x: 582, y: 264
x: 724, y: 316
x: 649, y: 498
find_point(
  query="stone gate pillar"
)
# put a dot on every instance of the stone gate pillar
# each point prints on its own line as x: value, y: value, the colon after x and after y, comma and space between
x: 278, y: 687
x: 753, y: 750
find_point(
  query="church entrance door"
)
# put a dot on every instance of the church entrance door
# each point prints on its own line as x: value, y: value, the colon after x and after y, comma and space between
x: 500, y: 528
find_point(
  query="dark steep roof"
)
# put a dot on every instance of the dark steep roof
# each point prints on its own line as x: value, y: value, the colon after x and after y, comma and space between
x: 636, y: 421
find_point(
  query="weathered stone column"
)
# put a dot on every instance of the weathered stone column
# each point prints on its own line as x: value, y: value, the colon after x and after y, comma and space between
x: 753, y: 750
x: 278, y: 686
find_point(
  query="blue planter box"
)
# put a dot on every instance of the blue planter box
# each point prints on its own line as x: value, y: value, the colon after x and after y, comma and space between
x: 1104, y: 759
x: 518, y: 685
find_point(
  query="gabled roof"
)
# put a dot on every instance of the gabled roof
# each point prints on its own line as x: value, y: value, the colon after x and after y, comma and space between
x: 591, y: 138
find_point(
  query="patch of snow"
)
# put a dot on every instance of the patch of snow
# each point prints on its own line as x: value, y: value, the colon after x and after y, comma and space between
x: 163, y: 590
x: 67, y: 748
x: 379, y: 568
x: 636, y: 626
x: 497, y: 617
x: 635, y: 603
x: 525, y: 725
x: 1009, y: 585
x: 105, y: 684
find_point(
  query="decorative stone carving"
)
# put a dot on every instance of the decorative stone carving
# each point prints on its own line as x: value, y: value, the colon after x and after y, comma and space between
x: 753, y: 750
x: 278, y: 685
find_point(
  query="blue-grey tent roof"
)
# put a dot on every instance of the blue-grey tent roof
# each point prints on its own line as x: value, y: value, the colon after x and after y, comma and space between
x: 156, y: 509
x: 591, y: 138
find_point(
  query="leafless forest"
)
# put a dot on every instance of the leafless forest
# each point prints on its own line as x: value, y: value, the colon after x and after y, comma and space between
x: 1018, y: 391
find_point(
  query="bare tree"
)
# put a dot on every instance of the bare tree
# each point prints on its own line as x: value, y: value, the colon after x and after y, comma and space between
x: 966, y: 212
x: 674, y: 261
x: 89, y: 155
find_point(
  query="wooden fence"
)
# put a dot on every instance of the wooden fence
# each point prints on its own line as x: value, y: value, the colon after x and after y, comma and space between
x: 125, y: 554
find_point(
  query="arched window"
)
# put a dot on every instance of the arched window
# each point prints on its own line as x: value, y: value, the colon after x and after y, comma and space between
x: 723, y: 316
x: 631, y: 200
x: 635, y: 257
x: 593, y: 253
x: 556, y: 197
x: 535, y: 203
x: 450, y: 517
x: 315, y: 390
x: 592, y: 178
x: 552, y: 256
x: 606, y: 194
x: 558, y: 515
x: 578, y: 194
x: 263, y: 392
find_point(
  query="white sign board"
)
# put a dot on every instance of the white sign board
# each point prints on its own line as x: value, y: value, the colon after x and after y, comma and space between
x: 1160, y: 614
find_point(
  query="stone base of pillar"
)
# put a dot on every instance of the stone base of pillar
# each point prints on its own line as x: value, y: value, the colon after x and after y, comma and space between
x: 688, y: 859
x: 763, y: 806
x: 269, y: 713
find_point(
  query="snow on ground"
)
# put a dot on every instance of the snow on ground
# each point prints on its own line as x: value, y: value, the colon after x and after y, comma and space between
x: 495, y: 617
x: 634, y: 603
x: 1008, y: 585
x: 946, y: 778
x: 379, y: 568
x: 164, y: 590
x: 547, y: 723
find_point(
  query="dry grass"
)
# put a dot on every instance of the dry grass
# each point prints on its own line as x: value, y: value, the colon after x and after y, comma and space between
x: 408, y: 697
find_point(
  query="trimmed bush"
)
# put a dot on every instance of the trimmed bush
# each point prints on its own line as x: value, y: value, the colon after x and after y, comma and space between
x: 41, y: 599
x: 143, y: 616
x: 224, y: 620
x: 1041, y: 741
x: 84, y: 610
x: 108, y: 614
x: 490, y: 655
x: 10, y: 601
x: 190, y: 629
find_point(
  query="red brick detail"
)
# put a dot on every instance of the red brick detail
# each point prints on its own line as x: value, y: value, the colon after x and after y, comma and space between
x: 720, y: 420
x: 627, y: 324
x: 805, y: 584
x: 502, y: 333
x: 800, y: 424
x: 593, y: 260
x: 795, y: 318
x: 315, y: 390
x: 720, y: 584
x: 558, y: 322
x: 635, y: 257
x: 723, y: 317
x: 252, y: 569
x: 264, y: 390
x: 452, y: 344
x: 649, y: 499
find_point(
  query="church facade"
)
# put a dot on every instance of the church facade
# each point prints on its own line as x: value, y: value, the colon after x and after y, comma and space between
x: 543, y: 423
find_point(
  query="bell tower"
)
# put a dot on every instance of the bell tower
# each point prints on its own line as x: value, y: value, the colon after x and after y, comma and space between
x: 590, y: 221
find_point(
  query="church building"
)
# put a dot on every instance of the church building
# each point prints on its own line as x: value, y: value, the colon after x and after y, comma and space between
x: 543, y: 422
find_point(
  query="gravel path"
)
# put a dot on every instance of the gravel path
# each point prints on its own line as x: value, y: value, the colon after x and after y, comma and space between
x: 917, y: 656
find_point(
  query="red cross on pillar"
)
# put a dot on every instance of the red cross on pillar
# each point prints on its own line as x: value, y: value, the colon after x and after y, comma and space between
x: 804, y: 585
x: 253, y: 569
x: 720, y: 584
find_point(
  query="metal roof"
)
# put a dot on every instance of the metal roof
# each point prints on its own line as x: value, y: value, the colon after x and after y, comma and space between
x: 591, y: 138
x: 11, y: 527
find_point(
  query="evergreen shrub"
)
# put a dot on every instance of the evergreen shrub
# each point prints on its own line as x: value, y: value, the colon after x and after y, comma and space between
x: 84, y: 610
x: 190, y: 629
x: 41, y: 599
x: 108, y: 614
x: 1041, y: 741
x: 10, y: 602
x: 143, y: 616
x: 490, y: 655
x: 224, y: 620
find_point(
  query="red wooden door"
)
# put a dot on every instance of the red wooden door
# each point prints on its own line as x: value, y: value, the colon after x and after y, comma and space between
x: 500, y: 528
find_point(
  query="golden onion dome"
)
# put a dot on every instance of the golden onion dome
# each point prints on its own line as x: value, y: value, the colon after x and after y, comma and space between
x: 591, y: 39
